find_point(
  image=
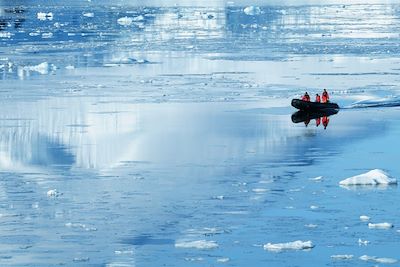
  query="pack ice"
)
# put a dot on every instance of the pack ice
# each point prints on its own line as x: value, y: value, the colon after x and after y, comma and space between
x: 374, y: 177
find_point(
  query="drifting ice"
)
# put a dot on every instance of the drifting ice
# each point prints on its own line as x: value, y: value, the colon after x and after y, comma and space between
x: 374, y: 177
x: 295, y: 245
x: 199, y: 244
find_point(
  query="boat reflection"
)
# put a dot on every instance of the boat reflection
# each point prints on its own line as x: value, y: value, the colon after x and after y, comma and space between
x: 321, y: 116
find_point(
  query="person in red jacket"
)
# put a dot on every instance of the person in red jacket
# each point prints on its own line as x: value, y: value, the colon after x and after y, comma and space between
x: 325, y: 97
x: 317, y: 98
x: 306, y: 97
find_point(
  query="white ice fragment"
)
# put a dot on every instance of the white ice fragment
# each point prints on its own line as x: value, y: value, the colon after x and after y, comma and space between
x: 123, y: 252
x: 219, y: 197
x: 363, y: 242
x: 138, y: 18
x: 125, y: 21
x: 374, y: 177
x: 310, y: 225
x: 53, y: 193
x: 259, y: 190
x: 223, y: 260
x: 377, y: 260
x: 37, y: 33
x: 364, y: 218
x: 198, y: 244
x: 384, y: 225
x: 295, y: 245
x: 69, y: 67
x: 342, y: 257
x: 44, y: 16
x: 317, y: 179
x: 42, y: 68
x: 252, y: 10
x: 88, y: 14
x: 5, y: 34
x: 47, y: 35
x: 313, y: 207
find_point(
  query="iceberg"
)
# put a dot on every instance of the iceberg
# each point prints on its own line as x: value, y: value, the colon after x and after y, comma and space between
x: 374, y: 177
x: 252, y: 10
x: 295, y: 245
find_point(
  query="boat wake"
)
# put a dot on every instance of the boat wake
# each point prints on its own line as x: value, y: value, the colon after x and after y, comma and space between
x: 383, y: 102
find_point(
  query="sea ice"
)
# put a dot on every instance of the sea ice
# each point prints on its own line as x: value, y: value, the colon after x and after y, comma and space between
x: 295, y: 245
x: 42, y: 68
x: 198, y: 244
x: 362, y: 242
x: 252, y: 10
x: 44, y: 16
x: 125, y: 21
x: 223, y: 260
x: 88, y: 14
x: 374, y: 177
x: 377, y: 260
x: 317, y: 179
x: 342, y: 257
x: 53, y: 193
x: 364, y: 218
x: 384, y: 225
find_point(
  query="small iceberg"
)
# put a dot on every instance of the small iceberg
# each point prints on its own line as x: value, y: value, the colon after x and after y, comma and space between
x: 377, y: 260
x: 295, y: 245
x: 374, y: 177
x: 342, y: 257
x: 252, y: 10
x: 53, y: 193
x: 88, y: 14
x: 384, y: 225
x: 199, y: 244
x: 44, y: 16
x: 364, y: 218
x: 125, y: 21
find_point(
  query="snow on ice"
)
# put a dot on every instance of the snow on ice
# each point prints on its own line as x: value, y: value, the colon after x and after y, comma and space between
x: 374, y: 177
x: 295, y: 245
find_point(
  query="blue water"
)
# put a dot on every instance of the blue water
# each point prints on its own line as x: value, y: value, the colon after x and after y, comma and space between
x: 177, y: 128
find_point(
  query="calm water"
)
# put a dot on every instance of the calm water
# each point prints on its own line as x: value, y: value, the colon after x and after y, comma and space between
x: 176, y: 127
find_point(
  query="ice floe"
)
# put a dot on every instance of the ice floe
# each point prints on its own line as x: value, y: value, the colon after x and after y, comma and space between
x: 42, y: 68
x: 223, y: 260
x: 81, y: 226
x: 53, y: 193
x: 125, y: 21
x: 377, y: 260
x: 384, y: 225
x: 364, y: 218
x: 295, y: 245
x: 374, y: 177
x: 342, y: 257
x: 44, y: 16
x: 363, y: 242
x: 316, y: 179
x: 198, y: 244
x: 252, y: 10
x: 88, y: 14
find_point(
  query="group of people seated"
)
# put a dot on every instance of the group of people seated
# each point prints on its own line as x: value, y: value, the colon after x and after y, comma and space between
x: 318, y: 99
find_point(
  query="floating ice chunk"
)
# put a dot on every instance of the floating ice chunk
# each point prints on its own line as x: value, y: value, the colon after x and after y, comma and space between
x: 223, y: 260
x: 53, y: 193
x: 81, y: 259
x: 138, y: 18
x: 313, y: 207
x: 44, y: 16
x: 5, y: 34
x: 317, y: 179
x: 42, y: 68
x: 123, y: 252
x: 364, y: 218
x: 363, y: 242
x: 80, y: 225
x: 377, y: 260
x: 384, y: 225
x: 252, y: 10
x: 259, y: 190
x: 47, y: 35
x: 342, y: 257
x: 88, y: 14
x: 374, y: 177
x: 295, y: 245
x: 69, y: 67
x: 125, y: 21
x: 198, y: 244
x: 310, y: 225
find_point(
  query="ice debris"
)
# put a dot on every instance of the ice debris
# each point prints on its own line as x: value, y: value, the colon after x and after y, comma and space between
x: 295, y: 245
x: 53, y: 193
x: 363, y: 242
x: 88, y: 14
x: 42, y: 68
x: 125, y: 21
x: 316, y: 179
x: 44, y: 16
x: 384, y: 225
x: 342, y: 257
x: 198, y: 244
x: 374, y: 177
x: 223, y: 260
x: 364, y: 218
x: 252, y: 10
x: 377, y: 260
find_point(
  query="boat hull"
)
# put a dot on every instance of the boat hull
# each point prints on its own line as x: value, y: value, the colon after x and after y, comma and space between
x: 313, y: 106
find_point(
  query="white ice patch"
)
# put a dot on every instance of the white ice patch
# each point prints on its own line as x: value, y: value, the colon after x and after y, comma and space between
x: 363, y: 242
x: 377, y: 260
x: 317, y: 179
x: 53, y: 193
x: 44, y: 16
x: 384, y: 225
x: 223, y: 260
x: 81, y: 226
x: 138, y: 18
x: 342, y: 257
x: 364, y: 218
x: 295, y: 245
x: 47, y: 35
x: 42, y: 68
x: 88, y: 14
x: 259, y: 190
x: 374, y: 177
x: 125, y: 21
x: 198, y: 244
x: 252, y: 10
x: 5, y: 35
x: 311, y: 225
